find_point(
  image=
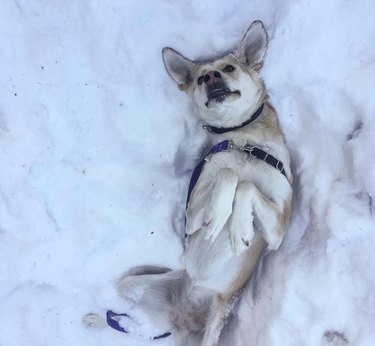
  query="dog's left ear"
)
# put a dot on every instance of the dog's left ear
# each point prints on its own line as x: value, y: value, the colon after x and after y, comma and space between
x: 180, y: 69
x: 253, y: 46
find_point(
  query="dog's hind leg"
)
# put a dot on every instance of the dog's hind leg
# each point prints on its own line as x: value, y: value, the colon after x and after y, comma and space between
x: 215, y: 321
x: 146, y: 282
x: 150, y: 296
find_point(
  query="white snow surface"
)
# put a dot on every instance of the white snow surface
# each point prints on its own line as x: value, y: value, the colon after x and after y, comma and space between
x: 97, y: 145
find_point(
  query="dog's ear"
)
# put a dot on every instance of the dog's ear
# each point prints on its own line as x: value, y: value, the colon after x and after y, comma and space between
x: 179, y: 68
x: 253, y: 46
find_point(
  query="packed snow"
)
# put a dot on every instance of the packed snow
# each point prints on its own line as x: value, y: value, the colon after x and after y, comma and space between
x: 97, y: 145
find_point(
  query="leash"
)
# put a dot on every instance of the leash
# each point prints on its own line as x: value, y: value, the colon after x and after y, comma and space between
x: 114, y: 323
x: 226, y: 146
x: 221, y: 130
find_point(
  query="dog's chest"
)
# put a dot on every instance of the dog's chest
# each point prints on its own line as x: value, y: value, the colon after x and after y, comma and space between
x: 265, y: 177
x: 245, y: 166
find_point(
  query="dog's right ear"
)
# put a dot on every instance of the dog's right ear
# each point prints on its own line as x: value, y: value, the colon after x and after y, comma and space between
x: 253, y: 46
x: 180, y: 69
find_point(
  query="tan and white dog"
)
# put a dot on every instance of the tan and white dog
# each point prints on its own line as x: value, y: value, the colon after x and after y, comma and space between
x: 240, y: 204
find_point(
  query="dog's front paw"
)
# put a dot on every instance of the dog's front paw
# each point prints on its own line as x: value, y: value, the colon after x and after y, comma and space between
x: 211, y: 207
x: 212, y: 228
x: 215, y: 220
x: 220, y: 206
x: 241, y: 235
x: 194, y: 220
x: 241, y: 227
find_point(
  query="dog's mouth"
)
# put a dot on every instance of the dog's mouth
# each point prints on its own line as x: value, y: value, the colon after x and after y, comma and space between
x: 219, y: 95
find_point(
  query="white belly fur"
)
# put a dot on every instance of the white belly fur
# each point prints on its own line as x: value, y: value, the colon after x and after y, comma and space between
x: 212, y: 264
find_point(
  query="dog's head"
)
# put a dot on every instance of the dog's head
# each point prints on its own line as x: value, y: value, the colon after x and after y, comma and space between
x: 226, y: 89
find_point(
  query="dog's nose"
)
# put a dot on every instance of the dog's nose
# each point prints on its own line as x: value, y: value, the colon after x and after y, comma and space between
x: 212, y: 76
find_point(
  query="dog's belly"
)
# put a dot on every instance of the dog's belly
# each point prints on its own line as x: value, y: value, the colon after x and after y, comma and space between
x: 213, y: 264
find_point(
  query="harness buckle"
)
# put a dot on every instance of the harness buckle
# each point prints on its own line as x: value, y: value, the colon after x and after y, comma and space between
x: 230, y: 146
x: 238, y: 147
x: 207, y: 128
x: 251, y: 148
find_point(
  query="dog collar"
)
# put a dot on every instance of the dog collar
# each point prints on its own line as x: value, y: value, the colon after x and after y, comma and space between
x: 220, y: 130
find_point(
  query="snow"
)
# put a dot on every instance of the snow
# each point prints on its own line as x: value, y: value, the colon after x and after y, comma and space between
x: 97, y: 145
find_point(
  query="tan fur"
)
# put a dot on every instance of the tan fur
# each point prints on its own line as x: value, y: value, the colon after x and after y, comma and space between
x: 272, y: 191
x: 239, y: 205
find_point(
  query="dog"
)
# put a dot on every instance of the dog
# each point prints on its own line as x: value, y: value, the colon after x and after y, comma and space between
x: 239, y: 200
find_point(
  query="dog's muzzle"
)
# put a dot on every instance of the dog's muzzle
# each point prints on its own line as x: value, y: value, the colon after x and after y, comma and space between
x: 219, y: 95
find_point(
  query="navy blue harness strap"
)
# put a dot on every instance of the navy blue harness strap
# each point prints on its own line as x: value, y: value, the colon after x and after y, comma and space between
x: 194, y: 179
x: 271, y: 160
x: 222, y: 146
x: 113, y: 323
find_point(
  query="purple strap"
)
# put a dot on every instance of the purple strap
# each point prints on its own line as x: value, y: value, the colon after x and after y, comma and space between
x: 113, y: 323
x: 222, y: 146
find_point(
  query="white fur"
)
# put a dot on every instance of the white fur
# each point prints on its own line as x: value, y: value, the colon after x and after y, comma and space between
x: 233, y: 110
x: 238, y: 206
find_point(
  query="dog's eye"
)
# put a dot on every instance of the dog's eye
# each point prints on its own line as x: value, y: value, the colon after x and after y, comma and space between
x: 200, y: 79
x: 229, y: 68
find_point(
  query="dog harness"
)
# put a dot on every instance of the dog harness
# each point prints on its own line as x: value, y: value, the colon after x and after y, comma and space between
x: 252, y: 150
